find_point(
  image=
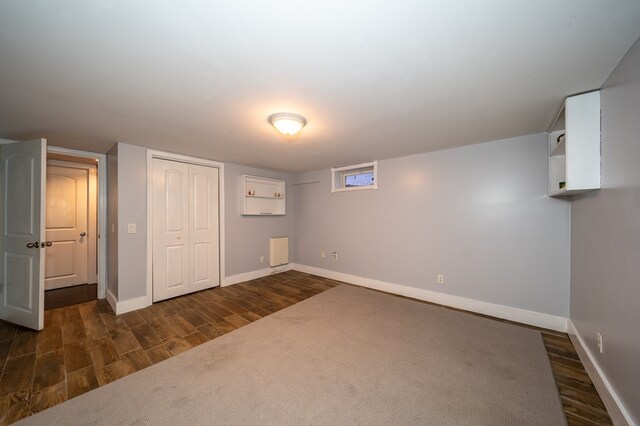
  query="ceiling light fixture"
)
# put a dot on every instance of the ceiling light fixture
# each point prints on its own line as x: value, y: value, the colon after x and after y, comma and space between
x: 287, y: 123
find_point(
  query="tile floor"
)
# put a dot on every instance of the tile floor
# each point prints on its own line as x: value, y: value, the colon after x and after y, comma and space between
x: 86, y: 346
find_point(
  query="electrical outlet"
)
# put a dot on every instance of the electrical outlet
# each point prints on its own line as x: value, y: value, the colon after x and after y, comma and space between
x: 261, y: 259
x: 131, y: 228
x: 335, y: 255
x: 323, y: 254
x: 600, y: 343
x: 440, y: 279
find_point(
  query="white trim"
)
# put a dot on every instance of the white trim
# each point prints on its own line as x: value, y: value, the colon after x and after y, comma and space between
x: 131, y: 305
x: 252, y: 275
x: 112, y: 300
x: 126, y: 305
x: 102, y: 210
x: 92, y: 211
x: 151, y: 154
x: 616, y: 409
x: 524, y: 316
x: 6, y: 141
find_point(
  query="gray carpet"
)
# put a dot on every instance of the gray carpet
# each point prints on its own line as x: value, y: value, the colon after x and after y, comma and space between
x: 346, y: 356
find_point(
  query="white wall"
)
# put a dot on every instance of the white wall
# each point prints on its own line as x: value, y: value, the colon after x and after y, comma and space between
x: 605, y: 261
x: 247, y: 237
x: 479, y: 214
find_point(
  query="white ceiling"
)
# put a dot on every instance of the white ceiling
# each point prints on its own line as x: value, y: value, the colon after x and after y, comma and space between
x: 375, y: 79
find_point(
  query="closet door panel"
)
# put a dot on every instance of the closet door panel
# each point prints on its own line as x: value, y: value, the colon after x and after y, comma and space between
x: 170, y: 203
x: 204, y: 227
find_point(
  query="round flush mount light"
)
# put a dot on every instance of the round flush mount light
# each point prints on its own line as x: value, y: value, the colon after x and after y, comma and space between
x: 287, y: 123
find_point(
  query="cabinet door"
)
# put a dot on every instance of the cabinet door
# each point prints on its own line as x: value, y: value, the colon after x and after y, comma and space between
x: 204, y: 226
x: 170, y: 204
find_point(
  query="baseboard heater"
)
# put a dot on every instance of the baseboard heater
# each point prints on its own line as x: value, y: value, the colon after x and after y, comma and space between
x: 278, y: 251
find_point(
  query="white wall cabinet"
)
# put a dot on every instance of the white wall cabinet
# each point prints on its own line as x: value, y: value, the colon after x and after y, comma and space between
x: 574, y: 146
x: 262, y: 196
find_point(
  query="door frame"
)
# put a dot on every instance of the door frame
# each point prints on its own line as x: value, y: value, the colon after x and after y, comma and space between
x: 102, y: 210
x: 151, y: 154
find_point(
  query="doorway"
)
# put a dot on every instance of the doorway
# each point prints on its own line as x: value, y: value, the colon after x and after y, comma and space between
x: 70, y: 229
x: 23, y: 243
x: 185, y: 225
x: 74, y: 262
x: 185, y: 228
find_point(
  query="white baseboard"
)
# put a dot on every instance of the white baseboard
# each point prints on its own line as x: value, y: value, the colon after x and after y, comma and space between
x: 252, y: 275
x: 537, y: 319
x: 616, y: 409
x: 132, y: 305
x: 126, y: 305
x: 112, y: 300
x: 122, y: 307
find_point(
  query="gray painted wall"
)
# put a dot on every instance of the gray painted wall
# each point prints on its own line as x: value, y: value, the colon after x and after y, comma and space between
x: 112, y: 220
x: 480, y: 215
x: 132, y: 208
x: 605, y: 261
x: 247, y: 237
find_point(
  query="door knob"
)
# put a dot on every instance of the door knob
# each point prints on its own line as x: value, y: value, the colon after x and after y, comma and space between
x: 32, y: 245
x: 83, y: 234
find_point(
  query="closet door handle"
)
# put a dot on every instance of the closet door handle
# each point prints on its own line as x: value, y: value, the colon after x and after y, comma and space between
x: 83, y: 234
x: 33, y: 245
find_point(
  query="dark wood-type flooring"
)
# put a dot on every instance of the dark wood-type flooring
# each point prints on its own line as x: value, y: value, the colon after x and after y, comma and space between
x: 68, y: 296
x: 86, y: 346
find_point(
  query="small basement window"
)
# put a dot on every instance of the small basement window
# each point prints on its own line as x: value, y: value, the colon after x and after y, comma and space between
x: 358, y: 176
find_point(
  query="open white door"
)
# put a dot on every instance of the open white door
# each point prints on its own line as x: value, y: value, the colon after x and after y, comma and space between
x: 22, y: 202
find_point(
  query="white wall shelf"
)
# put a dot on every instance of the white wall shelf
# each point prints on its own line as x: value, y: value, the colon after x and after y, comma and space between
x: 574, y: 161
x: 263, y: 196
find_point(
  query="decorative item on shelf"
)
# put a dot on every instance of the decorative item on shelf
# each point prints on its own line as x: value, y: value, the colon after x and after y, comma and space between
x: 560, y: 138
x: 263, y: 196
x: 561, y: 185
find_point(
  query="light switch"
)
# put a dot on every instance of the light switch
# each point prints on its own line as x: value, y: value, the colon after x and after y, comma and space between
x: 131, y: 228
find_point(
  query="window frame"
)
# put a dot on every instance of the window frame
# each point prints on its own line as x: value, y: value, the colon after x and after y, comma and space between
x: 339, y: 175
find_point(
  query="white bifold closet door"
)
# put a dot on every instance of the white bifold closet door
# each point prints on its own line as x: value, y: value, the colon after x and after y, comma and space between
x: 185, y: 228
